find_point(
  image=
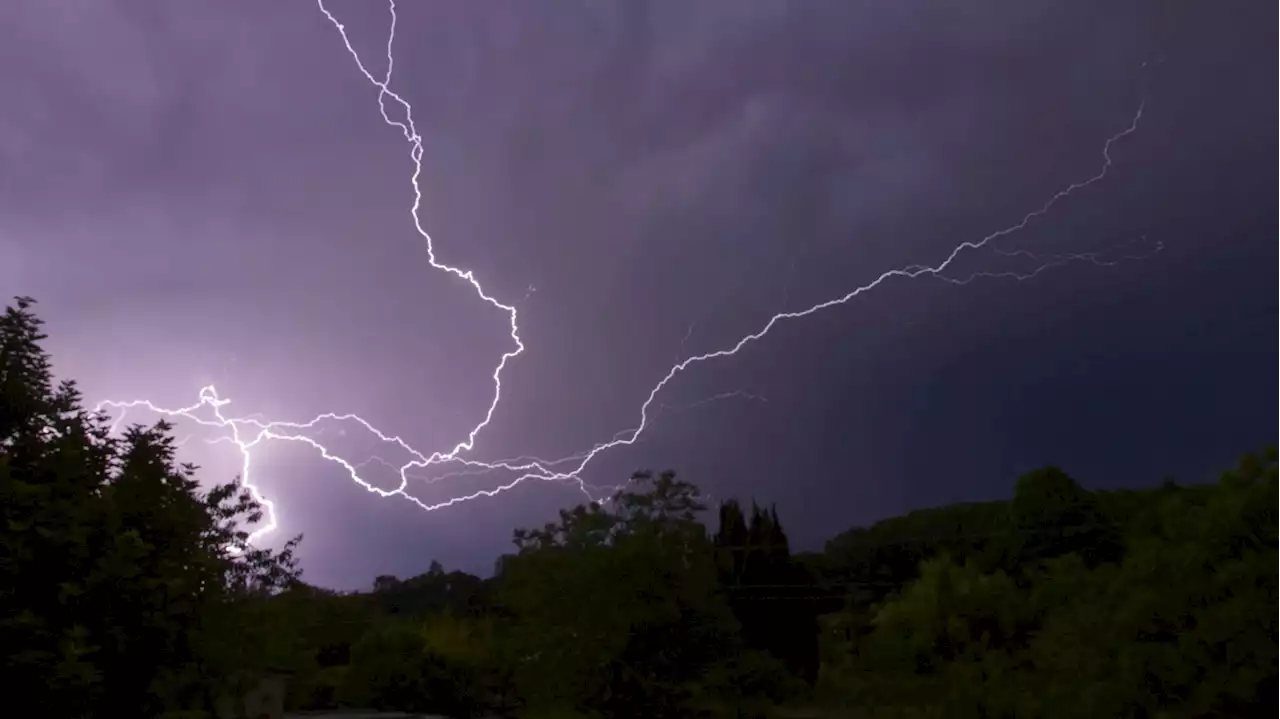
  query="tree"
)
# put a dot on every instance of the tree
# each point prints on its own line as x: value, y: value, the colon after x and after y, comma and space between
x: 1181, y: 624
x: 430, y: 593
x: 310, y: 631
x: 947, y: 641
x: 120, y: 579
x: 472, y: 672
x: 388, y: 669
x: 53, y: 461
x: 876, y: 562
x: 1056, y: 516
x: 618, y: 609
x: 771, y: 595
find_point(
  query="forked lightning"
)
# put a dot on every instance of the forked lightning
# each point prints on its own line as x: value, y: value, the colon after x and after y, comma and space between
x: 246, y: 433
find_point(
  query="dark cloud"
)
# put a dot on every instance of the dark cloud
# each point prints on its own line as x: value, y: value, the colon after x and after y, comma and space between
x: 204, y: 192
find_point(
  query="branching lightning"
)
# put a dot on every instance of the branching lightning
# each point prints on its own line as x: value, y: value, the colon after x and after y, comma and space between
x: 248, y: 432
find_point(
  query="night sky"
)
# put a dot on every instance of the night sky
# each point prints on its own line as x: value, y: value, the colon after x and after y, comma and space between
x: 204, y: 192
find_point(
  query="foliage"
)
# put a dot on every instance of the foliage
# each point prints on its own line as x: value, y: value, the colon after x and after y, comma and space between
x: 876, y: 561
x: 771, y: 595
x: 617, y: 609
x: 430, y: 593
x: 1180, y: 623
x: 121, y: 581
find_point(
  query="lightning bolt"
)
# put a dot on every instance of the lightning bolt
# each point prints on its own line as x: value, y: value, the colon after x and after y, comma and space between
x: 248, y: 432
x: 737, y: 393
x: 1094, y: 257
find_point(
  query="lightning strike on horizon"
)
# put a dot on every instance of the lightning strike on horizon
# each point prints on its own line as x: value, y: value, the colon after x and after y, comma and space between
x: 246, y: 433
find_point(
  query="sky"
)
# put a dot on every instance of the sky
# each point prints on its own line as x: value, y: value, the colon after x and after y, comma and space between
x: 203, y: 192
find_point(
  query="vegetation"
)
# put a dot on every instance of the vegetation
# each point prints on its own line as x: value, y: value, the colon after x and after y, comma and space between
x: 126, y: 590
x: 122, y: 584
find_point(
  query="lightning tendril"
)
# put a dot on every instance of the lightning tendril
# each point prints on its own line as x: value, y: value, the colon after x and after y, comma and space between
x: 248, y: 432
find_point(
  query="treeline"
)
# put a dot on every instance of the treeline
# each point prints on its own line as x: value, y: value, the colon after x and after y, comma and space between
x: 622, y: 611
x: 128, y: 591
x: 1064, y: 603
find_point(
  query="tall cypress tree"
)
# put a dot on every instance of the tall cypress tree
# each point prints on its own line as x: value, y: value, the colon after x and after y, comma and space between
x: 769, y: 594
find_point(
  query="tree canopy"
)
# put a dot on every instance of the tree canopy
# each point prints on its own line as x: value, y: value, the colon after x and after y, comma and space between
x: 121, y: 580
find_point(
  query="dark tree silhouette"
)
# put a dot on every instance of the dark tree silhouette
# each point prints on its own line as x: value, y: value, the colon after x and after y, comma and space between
x: 771, y: 595
x: 121, y: 580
